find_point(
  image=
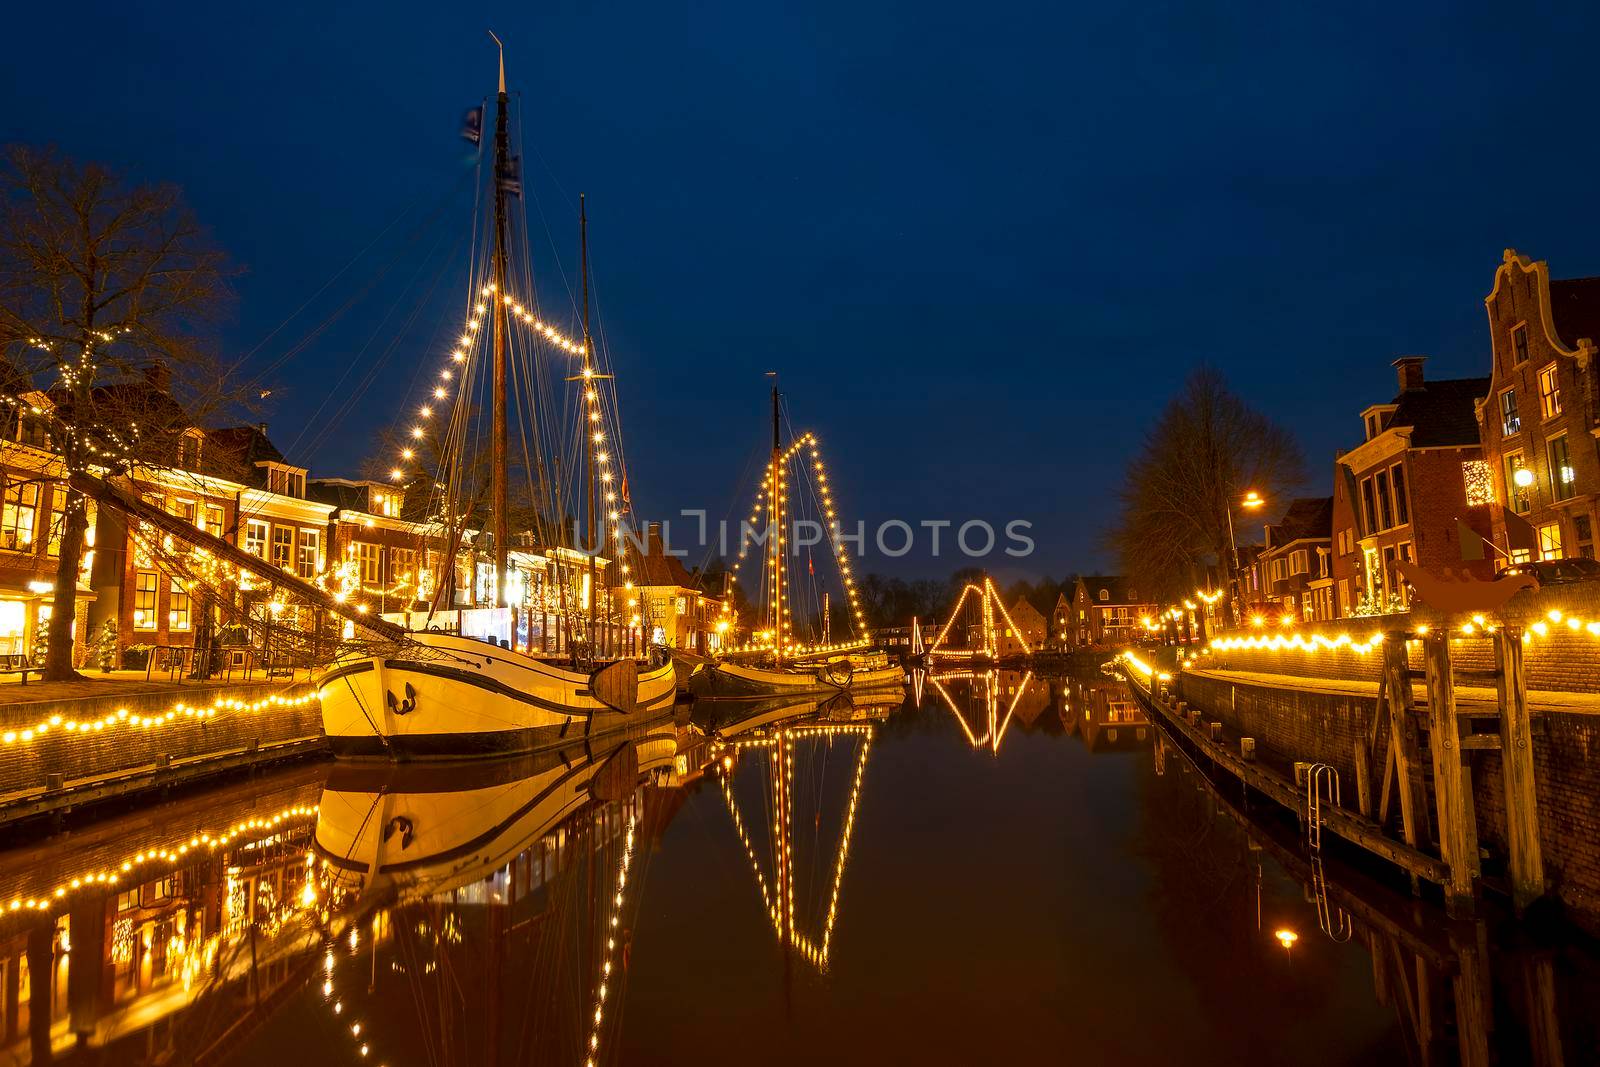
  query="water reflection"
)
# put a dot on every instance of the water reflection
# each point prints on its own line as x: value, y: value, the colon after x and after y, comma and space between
x: 802, y: 879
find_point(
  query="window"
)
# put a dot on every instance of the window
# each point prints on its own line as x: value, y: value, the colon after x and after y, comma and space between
x: 386, y: 502
x: 1549, y: 392
x: 1561, y: 476
x: 1105, y: 594
x: 1299, y: 562
x: 1372, y: 426
x: 310, y: 552
x: 283, y: 546
x: 18, y: 515
x: 178, y: 607
x: 403, y: 569
x: 368, y: 555
x: 189, y: 450
x: 1550, y: 541
x: 1510, y: 424
x: 682, y: 605
x: 183, y: 509
x: 58, y: 519
x: 213, y: 524
x: 144, y: 600
x: 1519, y: 343
x: 1380, y: 485
x: 1374, y: 574
x: 1583, y: 533
x: 255, y: 538
x: 1517, y: 494
x: 1368, y: 505
x: 1397, y: 483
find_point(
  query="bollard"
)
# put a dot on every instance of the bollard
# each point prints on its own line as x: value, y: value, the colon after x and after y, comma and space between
x: 1196, y: 717
x: 1183, y: 708
x: 164, y: 762
x: 1247, y: 749
x: 55, y: 780
x: 253, y: 745
x: 1214, y: 731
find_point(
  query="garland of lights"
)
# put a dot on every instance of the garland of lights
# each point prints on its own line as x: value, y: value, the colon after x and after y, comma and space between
x: 809, y: 441
x: 123, y: 717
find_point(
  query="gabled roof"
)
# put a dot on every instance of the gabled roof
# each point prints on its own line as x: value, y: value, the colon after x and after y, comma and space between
x: 1441, y: 413
x: 655, y: 568
x: 1575, y: 306
x: 233, y: 452
x: 1026, y: 616
x: 347, y: 496
x: 1307, y: 518
x: 1118, y: 586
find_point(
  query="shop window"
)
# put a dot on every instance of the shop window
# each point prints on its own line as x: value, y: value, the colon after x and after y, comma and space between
x: 1550, y: 541
x: 145, y: 584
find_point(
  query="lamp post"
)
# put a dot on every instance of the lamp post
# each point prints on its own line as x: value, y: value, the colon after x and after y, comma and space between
x: 1252, y: 500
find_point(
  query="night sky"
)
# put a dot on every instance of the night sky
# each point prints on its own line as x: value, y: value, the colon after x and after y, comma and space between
x: 982, y: 243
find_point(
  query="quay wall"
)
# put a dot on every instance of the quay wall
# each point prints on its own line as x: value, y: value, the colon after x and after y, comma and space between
x: 1291, y: 723
x: 146, y: 739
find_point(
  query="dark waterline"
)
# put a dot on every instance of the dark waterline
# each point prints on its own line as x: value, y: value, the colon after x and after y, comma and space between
x: 1032, y: 871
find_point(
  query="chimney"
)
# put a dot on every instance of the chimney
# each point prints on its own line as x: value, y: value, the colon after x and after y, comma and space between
x: 653, y: 540
x: 1409, y: 369
x: 159, y: 376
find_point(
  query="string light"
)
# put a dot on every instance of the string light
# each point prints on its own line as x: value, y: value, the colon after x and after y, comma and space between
x: 603, y: 979
x: 1312, y: 643
x: 124, y: 717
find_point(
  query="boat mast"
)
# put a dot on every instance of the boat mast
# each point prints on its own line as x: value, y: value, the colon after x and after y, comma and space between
x: 596, y: 542
x: 497, y: 434
x: 775, y: 529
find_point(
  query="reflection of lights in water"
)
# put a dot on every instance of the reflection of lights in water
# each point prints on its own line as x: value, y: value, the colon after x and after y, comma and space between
x: 1286, y: 938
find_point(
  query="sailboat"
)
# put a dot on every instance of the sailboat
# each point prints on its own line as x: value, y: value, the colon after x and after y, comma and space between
x: 779, y: 665
x: 432, y: 693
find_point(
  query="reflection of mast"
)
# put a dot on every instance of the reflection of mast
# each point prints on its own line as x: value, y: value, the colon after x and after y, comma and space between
x: 595, y: 541
x: 775, y: 529
x: 500, y: 296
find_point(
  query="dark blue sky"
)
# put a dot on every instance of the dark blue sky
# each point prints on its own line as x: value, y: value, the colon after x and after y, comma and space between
x: 983, y: 243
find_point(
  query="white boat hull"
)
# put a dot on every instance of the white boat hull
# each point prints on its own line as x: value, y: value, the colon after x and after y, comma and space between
x: 448, y: 696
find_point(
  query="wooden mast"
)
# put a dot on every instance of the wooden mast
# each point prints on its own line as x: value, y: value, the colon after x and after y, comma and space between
x: 596, y: 542
x: 775, y: 530
x: 498, y: 462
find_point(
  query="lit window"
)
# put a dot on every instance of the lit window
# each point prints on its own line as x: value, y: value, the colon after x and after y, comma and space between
x: 283, y: 546
x: 1550, y: 392
x: 1510, y: 422
x: 1550, y: 541
x: 18, y: 515
x: 369, y: 555
x: 1478, y: 478
x: 178, y: 609
x: 255, y: 538
x: 309, y: 553
x: 58, y: 519
x: 1561, y: 474
x: 1518, y: 484
x: 144, y: 600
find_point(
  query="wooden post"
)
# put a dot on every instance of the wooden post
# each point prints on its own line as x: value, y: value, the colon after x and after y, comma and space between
x: 1516, y: 761
x: 1403, y: 740
x: 1363, y: 780
x: 1452, y: 786
x: 1473, y: 996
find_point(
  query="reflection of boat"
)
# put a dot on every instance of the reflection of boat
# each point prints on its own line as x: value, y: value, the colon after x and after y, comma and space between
x: 788, y: 667
x: 414, y: 830
x: 727, y: 719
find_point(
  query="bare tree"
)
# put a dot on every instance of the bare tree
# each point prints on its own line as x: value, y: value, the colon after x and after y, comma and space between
x: 1207, y: 448
x: 105, y: 290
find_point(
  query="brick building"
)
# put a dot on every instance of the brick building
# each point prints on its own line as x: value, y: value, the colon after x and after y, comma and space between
x: 1106, y: 610
x: 1540, y: 411
x: 1400, y: 493
x: 1027, y: 631
x: 378, y: 553
x: 34, y: 502
x: 673, y: 611
x: 1296, y: 561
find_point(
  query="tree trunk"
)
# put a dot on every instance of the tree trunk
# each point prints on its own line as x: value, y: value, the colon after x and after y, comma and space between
x: 58, y: 661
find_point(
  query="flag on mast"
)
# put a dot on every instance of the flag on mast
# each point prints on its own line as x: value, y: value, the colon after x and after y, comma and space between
x: 472, y: 124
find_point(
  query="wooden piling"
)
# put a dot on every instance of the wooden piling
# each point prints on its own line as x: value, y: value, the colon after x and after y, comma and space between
x: 1452, y: 786
x: 1403, y: 741
x: 1516, y: 761
x: 1363, y: 780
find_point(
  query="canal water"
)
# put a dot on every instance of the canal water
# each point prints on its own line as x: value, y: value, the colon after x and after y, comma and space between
x: 1004, y: 868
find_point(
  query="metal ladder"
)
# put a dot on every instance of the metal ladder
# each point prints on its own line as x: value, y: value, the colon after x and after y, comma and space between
x: 1322, y: 784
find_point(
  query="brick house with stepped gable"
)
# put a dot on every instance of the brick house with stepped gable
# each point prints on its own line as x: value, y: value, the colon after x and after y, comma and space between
x: 1398, y: 495
x: 1541, y: 409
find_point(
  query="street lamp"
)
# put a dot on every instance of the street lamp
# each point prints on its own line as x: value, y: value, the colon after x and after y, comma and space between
x: 1252, y: 500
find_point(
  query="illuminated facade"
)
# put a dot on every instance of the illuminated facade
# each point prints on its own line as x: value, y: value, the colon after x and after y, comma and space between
x: 675, y: 613
x: 1107, y: 612
x: 1402, y: 493
x: 30, y: 528
x: 1297, y: 561
x: 1538, y: 412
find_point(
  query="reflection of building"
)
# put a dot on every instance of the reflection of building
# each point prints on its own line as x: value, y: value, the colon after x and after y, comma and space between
x: 1106, y: 610
x: 1104, y: 714
x: 1398, y: 494
x: 1538, y: 410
